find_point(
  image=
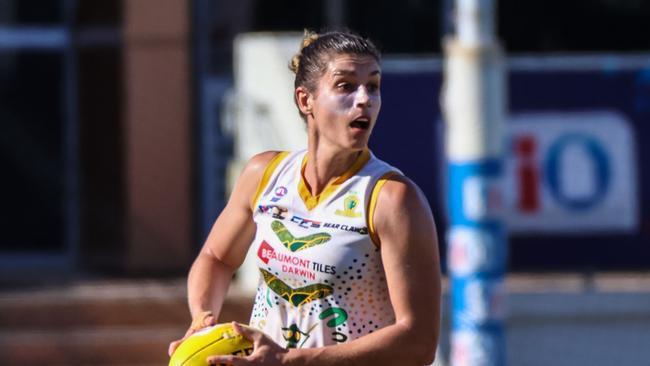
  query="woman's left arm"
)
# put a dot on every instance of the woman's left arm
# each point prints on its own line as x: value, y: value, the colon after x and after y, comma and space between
x: 409, y: 250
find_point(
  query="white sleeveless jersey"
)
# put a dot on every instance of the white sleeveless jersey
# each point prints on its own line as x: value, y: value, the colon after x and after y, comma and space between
x: 322, y: 280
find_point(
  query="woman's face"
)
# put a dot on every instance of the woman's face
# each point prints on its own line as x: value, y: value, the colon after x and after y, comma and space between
x: 346, y: 102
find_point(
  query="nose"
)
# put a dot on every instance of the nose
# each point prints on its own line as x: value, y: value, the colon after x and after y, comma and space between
x: 362, y: 97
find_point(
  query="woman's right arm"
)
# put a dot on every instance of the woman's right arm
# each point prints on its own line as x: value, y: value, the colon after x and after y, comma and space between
x: 224, y: 249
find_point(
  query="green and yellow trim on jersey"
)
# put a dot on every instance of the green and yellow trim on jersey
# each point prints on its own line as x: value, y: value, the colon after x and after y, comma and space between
x: 312, y: 201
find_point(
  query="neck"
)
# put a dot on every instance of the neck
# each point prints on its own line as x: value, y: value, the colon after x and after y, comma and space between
x: 326, y: 164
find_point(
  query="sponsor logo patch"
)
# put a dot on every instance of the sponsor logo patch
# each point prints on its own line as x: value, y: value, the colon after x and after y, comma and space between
x: 350, y: 204
x: 276, y: 212
x: 279, y: 193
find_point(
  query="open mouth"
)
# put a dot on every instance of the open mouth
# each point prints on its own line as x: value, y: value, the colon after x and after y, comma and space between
x: 361, y: 123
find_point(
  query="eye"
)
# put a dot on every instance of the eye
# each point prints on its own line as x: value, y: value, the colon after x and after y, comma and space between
x: 345, y: 86
x: 372, y: 88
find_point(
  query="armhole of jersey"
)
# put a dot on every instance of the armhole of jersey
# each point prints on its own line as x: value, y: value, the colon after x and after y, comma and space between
x: 267, y: 176
x: 373, y: 203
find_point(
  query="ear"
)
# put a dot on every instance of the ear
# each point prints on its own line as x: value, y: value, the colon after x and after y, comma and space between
x: 304, y: 99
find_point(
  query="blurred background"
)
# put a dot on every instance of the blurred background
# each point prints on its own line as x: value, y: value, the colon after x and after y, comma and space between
x: 124, y: 122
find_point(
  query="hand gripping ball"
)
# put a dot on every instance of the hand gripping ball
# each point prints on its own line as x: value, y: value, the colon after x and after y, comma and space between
x: 220, y: 339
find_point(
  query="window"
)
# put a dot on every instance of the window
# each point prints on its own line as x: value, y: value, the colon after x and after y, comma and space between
x: 32, y: 157
x: 37, y: 120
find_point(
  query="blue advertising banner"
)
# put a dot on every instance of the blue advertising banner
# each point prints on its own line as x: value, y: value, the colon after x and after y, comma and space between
x: 575, y: 164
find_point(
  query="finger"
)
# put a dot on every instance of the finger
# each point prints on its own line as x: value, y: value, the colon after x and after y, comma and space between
x: 247, y: 332
x: 206, y: 322
x: 172, y: 347
x: 202, y: 320
x: 187, y: 334
x: 210, y: 321
x: 228, y: 360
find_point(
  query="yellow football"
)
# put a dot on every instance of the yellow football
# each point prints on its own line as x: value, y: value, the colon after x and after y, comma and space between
x: 220, y: 339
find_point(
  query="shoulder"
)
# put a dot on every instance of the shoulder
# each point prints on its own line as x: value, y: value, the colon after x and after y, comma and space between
x: 376, y: 164
x: 251, y: 176
x: 257, y: 164
x: 399, y: 190
x: 401, y: 205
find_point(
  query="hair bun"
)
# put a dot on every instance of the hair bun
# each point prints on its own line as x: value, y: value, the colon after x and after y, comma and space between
x: 308, y: 38
x: 295, y: 63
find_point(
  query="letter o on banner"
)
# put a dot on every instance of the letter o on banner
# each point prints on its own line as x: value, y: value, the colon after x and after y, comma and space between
x: 601, y: 165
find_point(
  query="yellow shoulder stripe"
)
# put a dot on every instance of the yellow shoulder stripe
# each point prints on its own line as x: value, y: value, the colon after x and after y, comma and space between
x: 373, y: 203
x: 267, y: 176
